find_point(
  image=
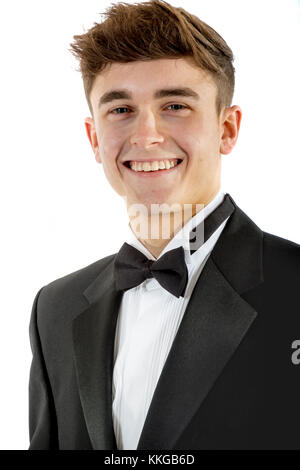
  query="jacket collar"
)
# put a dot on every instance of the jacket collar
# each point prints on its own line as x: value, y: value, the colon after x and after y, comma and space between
x: 217, y: 330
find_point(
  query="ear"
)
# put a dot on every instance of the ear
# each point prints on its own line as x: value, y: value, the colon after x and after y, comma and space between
x: 91, y: 133
x: 230, y: 126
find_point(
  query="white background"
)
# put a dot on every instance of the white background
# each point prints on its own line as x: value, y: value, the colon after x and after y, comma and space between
x: 55, y: 200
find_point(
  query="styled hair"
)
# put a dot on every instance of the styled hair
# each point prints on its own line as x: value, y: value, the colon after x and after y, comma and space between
x: 154, y: 30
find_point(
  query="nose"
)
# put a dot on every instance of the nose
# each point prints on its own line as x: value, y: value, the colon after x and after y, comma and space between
x: 145, y: 131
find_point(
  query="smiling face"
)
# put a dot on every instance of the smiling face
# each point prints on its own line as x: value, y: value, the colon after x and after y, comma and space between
x: 143, y: 125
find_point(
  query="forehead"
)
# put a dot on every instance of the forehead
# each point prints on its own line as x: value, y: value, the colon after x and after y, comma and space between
x: 141, y: 78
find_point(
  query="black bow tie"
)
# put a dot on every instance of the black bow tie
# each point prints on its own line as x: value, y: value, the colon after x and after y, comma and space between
x: 131, y: 267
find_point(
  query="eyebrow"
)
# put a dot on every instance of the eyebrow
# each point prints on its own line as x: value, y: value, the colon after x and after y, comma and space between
x: 162, y: 93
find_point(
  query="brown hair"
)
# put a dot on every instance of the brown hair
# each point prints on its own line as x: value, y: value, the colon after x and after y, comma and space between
x: 154, y: 30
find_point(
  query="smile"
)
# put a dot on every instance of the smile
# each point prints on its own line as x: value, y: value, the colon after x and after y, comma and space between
x: 152, y: 168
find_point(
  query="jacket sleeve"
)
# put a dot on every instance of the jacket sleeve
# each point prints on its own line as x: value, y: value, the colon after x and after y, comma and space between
x: 43, y: 433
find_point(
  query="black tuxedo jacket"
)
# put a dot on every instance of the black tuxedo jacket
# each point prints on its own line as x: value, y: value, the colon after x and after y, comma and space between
x: 229, y: 381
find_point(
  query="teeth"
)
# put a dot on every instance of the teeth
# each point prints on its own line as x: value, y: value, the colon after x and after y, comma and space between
x: 153, y: 166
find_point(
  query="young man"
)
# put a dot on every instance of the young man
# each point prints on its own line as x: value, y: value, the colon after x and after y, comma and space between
x: 185, y: 341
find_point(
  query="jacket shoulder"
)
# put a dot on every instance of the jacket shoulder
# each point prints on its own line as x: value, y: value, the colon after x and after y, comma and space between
x: 281, y: 257
x: 65, y: 294
x: 281, y: 246
x: 82, y: 275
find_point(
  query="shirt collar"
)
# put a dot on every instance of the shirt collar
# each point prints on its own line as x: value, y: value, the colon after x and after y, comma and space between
x: 181, y: 238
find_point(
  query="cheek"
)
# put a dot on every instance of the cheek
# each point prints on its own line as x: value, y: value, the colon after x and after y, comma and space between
x: 191, y: 137
x: 109, y: 147
x: 199, y: 139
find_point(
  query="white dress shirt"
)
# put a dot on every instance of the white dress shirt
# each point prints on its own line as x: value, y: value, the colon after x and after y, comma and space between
x: 148, y: 320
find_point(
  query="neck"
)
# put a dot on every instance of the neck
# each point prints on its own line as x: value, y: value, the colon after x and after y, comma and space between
x: 156, y: 230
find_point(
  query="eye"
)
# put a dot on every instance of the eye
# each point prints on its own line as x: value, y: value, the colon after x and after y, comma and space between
x: 123, y: 107
x: 176, y: 104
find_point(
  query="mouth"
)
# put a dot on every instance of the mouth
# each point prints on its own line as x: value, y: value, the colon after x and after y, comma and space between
x: 152, y: 173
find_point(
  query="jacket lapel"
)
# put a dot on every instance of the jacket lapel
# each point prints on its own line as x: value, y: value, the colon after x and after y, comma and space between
x: 215, y: 322
x: 93, y: 343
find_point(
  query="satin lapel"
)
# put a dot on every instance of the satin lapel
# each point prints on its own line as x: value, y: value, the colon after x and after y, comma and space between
x: 93, y: 342
x: 215, y: 322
